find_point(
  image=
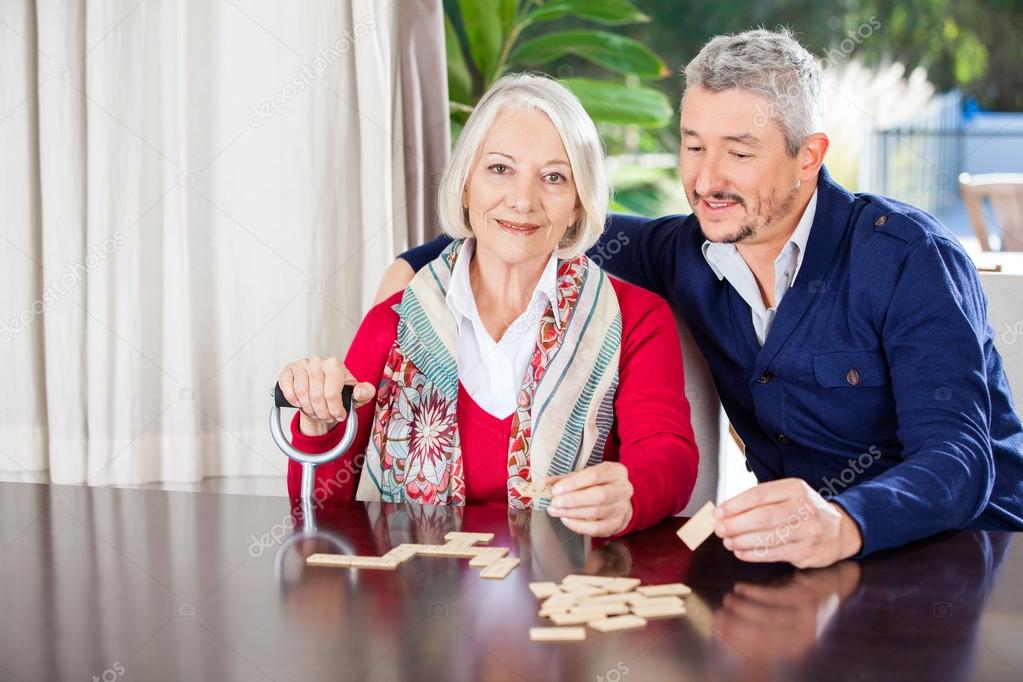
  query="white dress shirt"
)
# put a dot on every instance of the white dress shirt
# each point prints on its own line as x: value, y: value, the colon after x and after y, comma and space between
x: 491, y: 371
x: 727, y: 263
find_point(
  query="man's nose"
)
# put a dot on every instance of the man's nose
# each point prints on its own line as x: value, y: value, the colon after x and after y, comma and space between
x: 708, y: 179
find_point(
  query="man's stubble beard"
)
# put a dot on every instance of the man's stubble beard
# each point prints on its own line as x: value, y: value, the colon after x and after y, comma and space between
x: 748, y: 230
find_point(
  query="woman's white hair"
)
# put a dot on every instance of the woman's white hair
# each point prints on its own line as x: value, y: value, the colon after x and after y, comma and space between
x: 771, y: 64
x: 578, y: 134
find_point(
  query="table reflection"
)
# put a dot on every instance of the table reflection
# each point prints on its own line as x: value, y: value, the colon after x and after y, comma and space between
x: 744, y: 621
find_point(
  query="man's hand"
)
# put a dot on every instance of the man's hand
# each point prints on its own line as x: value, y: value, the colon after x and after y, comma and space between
x: 596, y: 501
x: 787, y: 520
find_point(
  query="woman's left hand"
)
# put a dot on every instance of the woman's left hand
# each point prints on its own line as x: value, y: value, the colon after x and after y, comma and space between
x: 596, y: 501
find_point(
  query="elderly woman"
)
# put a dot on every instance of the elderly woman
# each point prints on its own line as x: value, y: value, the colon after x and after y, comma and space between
x: 512, y: 358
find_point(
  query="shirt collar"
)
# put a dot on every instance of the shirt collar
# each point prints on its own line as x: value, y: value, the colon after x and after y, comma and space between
x: 714, y: 252
x: 460, y: 298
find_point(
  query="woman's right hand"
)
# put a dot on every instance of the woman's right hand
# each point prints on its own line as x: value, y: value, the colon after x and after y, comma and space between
x: 314, y: 386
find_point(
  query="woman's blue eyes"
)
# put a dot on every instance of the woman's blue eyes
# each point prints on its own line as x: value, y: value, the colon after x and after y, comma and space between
x: 503, y: 169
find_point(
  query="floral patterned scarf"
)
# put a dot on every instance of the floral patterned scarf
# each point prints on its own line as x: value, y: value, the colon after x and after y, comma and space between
x: 565, y: 404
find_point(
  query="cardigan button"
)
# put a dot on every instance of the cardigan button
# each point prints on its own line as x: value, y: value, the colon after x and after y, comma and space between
x: 853, y: 376
x: 784, y: 440
x: 765, y: 378
x: 881, y: 221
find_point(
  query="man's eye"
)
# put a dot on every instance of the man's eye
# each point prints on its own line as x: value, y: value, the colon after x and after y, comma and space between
x: 694, y: 149
x: 740, y: 155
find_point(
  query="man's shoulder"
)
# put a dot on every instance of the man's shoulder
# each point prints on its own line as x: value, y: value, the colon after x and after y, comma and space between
x: 901, y: 221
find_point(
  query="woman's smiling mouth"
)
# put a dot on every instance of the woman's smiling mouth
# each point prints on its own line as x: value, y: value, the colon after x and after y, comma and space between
x: 517, y: 228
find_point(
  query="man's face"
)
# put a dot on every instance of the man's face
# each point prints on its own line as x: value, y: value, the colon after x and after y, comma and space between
x: 741, y: 182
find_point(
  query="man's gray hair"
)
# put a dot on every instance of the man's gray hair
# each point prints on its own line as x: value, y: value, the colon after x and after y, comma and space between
x: 771, y: 64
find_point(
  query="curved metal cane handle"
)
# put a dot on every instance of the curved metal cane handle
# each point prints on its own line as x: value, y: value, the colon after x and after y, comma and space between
x: 310, y: 462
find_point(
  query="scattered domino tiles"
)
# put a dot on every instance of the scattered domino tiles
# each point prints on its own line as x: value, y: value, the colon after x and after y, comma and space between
x: 604, y: 604
x: 700, y: 527
x: 492, y: 560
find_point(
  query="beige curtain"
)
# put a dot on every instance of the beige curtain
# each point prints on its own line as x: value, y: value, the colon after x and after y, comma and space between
x: 193, y: 194
x: 424, y: 87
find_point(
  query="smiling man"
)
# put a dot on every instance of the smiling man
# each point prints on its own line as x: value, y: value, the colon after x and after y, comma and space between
x: 847, y: 334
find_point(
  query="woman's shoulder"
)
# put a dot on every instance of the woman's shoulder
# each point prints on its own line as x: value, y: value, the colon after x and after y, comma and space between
x: 385, y: 308
x: 381, y: 322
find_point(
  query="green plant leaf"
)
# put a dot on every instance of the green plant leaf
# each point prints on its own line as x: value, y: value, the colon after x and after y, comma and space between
x: 607, y: 12
x: 482, y: 22
x: 608, y: 102
x: 507, y: 9
x: 459, y: 80
x: 615, y: 52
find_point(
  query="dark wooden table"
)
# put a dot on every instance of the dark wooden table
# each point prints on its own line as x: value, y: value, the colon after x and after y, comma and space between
x: 110, y: 584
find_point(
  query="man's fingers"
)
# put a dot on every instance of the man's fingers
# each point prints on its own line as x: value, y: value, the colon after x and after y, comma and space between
x: 764, y: 519
x: 792, y: 552
x: 759, y: 539
x: 759, y: 495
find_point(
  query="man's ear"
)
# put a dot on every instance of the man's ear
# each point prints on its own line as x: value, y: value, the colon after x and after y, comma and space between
x: 811, y: 156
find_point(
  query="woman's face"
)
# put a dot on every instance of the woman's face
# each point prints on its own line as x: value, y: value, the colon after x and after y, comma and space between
x: 521, y: 193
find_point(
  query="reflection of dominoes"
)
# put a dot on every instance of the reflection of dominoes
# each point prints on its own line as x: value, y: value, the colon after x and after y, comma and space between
x: 534, y: 489
x: 492, y: 560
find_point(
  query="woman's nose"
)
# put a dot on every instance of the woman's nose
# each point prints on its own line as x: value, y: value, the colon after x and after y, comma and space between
x: 521, y: 198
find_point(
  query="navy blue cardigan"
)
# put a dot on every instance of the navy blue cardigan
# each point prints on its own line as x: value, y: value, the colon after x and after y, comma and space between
x: 878, y: 384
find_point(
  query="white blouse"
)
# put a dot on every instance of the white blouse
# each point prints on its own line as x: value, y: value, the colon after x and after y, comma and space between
x: 491, y: 371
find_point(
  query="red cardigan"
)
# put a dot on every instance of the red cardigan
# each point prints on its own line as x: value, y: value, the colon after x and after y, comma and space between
x: 651, y: 434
